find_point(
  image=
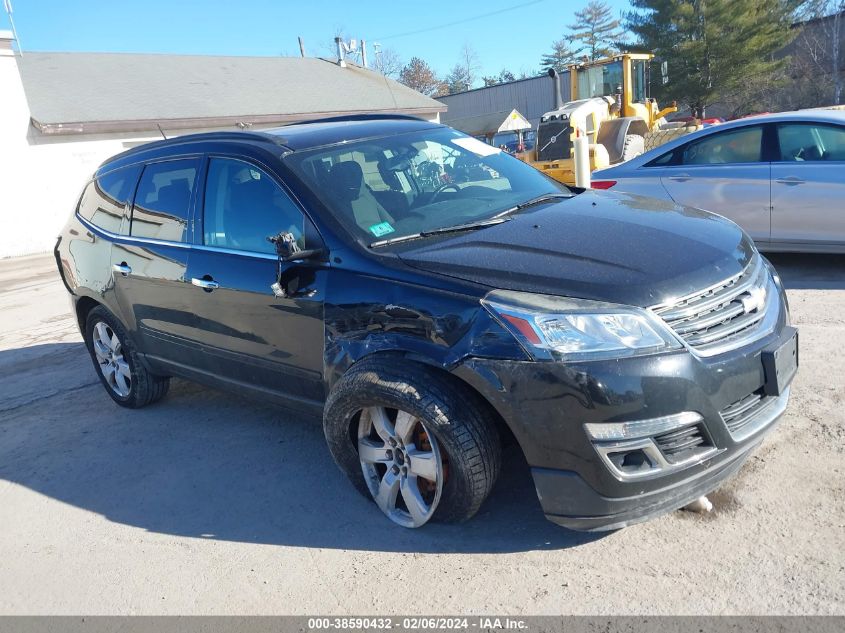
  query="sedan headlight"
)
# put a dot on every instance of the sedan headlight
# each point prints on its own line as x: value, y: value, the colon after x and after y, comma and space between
x: 559, y: 328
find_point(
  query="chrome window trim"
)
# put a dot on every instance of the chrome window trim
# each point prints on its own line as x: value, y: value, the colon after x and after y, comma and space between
x: 154, y: 242
x: 234, y: 251
x: 130, y: 238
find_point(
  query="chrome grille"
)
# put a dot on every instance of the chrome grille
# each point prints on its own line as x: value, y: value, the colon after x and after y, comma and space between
x: 723, y: 312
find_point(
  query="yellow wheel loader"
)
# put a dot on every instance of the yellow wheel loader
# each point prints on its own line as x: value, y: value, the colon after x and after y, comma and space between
x: 610, y: 105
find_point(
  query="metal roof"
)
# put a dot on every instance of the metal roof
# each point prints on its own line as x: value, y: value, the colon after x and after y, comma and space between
x: 100, y: 92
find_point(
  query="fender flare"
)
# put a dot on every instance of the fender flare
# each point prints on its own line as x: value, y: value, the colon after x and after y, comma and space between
x: 612, y: 134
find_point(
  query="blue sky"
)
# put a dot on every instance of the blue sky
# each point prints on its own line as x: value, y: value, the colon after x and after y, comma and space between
x: 513, y: 39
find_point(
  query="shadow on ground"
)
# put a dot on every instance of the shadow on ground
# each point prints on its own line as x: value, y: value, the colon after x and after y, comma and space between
x: 802, y: 271
x: 208, y: 464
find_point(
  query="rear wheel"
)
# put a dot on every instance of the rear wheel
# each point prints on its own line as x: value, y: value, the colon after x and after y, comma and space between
x: 419, y: 445
x: 116, y: 360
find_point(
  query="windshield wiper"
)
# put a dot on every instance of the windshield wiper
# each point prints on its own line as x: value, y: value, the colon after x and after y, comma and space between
x: 470, y: 226
x: 546, y: 197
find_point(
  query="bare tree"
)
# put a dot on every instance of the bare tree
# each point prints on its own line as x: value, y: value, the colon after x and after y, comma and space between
x: 469, y: 60
x: 387, y: 62
x: 816, y: 66
x: 465, y: 72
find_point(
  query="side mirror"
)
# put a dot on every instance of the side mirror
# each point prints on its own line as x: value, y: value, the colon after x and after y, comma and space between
x: 288, y: 250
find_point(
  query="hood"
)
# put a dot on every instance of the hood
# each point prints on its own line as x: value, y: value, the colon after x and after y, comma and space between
x: 604, y: 246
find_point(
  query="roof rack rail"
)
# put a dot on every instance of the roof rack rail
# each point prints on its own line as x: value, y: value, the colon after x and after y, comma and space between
x: 375, y: 116
x: 222, y: 135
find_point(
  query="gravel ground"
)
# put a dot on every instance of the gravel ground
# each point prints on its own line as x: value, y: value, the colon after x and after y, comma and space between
x: 207, y: 503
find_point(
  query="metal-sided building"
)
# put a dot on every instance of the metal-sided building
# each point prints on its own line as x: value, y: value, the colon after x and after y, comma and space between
x: 531, y: 97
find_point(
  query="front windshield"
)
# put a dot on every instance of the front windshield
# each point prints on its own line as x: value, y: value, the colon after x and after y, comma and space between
x: 418, y: 182
x: 599, y: 81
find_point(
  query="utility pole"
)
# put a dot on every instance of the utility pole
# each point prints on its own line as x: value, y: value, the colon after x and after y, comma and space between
x: 376, y: 54
x: 7, y: 4
x: 301, y: 47
x: 364, y: 53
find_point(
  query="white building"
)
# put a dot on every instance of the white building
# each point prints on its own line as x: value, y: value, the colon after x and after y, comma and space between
x: 62, y: 114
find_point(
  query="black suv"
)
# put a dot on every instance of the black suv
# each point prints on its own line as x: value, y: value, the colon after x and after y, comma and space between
x: 432, y: 296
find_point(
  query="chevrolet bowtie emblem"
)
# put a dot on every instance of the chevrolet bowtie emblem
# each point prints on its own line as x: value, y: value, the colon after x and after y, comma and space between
x: 754, y: 300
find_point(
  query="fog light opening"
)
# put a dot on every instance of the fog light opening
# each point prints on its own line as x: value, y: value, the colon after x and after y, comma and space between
x: 631, y: 461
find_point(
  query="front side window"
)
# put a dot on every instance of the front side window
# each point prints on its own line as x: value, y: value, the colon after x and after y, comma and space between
x: 244, y: 206
x: 163, y: 200
x: 104, y: 200
x: 731, y: 146
x: 801, y: 142
x: 417, y: 182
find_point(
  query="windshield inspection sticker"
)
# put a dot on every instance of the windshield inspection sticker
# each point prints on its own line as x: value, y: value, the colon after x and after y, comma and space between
x: 475, y: 146
x: 381, y: 229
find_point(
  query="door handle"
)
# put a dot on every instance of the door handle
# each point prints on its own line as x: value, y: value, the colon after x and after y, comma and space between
x: 680, y: 178
x: 206, y: 283
x: 121, y: 268
x: 790, y: 181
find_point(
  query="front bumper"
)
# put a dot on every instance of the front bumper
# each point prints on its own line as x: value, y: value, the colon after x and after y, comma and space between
x: 547, y: 404
x: 569, y: 501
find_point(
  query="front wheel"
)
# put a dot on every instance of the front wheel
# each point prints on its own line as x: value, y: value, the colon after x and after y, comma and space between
x: 633, y: 146
x: 419, y: 445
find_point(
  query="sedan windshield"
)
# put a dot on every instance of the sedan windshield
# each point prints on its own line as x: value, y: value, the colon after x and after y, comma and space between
x: 418, y: 183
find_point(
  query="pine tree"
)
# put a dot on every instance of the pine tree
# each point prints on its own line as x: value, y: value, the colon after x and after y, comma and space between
x: 596, y: 31
x: 504, y: 76
x: 419, y: 76
x: 561, y: 56
x: 713, y: 48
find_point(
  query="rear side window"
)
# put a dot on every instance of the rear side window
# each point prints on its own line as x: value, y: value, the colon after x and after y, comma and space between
x: 731, y: 146
x: 800, y: 142
x: 244, y: 206
x: 104, y: 200
x: 163, y: 200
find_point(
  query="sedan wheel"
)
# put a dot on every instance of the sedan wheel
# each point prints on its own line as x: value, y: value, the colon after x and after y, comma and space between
x: 109, y: 354
x: 402, y: 465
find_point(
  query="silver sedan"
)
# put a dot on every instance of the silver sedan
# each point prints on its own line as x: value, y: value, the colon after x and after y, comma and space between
x: 781, y: 177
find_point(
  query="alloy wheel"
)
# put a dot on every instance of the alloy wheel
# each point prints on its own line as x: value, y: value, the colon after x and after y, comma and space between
x: 402, y: 465
x: 109, y: 354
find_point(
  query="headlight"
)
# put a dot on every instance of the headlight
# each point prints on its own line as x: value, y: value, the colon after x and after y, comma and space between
x: 552, y: 328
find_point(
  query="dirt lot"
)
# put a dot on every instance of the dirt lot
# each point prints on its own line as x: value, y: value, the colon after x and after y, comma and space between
x: 208, y: 503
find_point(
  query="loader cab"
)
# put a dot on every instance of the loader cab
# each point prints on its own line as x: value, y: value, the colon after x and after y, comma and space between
x: 624, y: 77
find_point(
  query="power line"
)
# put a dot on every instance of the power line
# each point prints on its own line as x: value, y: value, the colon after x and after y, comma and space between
x: 464, y: 21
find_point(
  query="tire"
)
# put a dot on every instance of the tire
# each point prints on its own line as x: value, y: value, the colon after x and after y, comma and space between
x: 633, y: 146
x: 460, y: 422
x: 142, y: 387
